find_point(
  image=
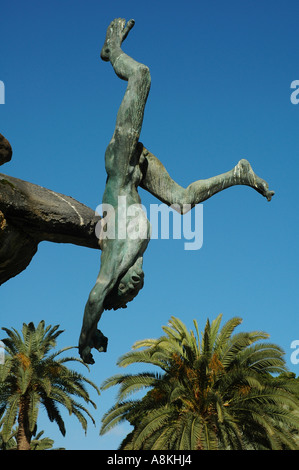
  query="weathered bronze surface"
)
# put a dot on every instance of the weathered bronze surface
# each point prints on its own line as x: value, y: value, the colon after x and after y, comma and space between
x: 129, y: 165
x: 30, y: 213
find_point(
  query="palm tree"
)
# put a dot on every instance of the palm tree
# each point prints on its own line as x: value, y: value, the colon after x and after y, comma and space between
x: 215, y: 391
x: 9, y: 443
x: 38, y: 443
x: 32, y: 376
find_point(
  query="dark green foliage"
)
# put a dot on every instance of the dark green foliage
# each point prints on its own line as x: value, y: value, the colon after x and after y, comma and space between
x: 216, y: 391
x: 32, y: 375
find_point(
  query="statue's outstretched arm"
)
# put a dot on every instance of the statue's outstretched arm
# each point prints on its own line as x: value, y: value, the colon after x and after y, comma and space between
x: 157, y: 181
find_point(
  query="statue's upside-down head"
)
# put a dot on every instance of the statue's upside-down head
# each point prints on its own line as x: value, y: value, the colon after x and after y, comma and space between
x: 126, y: 288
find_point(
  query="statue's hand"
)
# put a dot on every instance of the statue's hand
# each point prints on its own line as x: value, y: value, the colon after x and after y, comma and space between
x: 86, y: 355
x: 97, y: 341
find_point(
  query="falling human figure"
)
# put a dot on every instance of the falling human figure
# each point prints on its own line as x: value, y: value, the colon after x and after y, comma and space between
x: 129, y: 165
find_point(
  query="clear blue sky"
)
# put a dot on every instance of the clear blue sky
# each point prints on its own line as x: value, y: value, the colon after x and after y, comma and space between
x: 221, y: 75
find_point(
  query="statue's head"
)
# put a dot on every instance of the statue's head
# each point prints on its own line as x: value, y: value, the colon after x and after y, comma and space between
x: 126, y: 288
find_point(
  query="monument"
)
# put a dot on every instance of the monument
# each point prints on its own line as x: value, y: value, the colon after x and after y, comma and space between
x: 25, y: 221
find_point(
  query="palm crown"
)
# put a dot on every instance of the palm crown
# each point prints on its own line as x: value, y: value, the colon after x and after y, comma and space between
x: 216, y: 391
x: 31, y: 375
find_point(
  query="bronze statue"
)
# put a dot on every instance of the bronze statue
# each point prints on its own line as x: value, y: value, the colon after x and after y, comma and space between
x: 30, y: 213
x: 129, y: 165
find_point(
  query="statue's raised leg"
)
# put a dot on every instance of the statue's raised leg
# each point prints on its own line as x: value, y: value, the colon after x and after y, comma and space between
x: 157, y: 181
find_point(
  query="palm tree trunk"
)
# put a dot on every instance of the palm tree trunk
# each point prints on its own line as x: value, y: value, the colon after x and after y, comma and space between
x: 23, y: 435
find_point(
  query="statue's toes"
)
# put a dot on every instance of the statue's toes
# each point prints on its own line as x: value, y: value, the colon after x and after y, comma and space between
x: 269, y: 195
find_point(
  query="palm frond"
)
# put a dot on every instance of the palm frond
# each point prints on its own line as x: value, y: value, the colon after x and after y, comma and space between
x: 215, y: 391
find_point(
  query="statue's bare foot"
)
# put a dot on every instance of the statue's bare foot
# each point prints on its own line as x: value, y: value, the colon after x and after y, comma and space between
x: 245, y: 174
x: 116, y: 34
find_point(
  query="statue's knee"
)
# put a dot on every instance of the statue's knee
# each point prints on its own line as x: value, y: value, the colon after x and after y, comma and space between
x: 144, y: 72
